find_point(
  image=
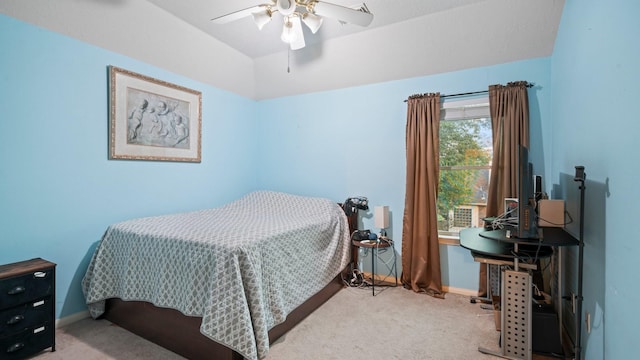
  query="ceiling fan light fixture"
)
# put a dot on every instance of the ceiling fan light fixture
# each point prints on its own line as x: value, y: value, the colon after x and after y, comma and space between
x: 312, y: 21
x: 286, y: 7
x: 294, y: 12
x: 292, y: 32
x: 297, y: 42
x: 262, y: 18
x: 287, y: 31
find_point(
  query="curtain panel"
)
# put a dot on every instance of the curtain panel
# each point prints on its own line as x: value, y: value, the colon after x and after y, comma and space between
x: 420, y: 248
x: 509, y: 107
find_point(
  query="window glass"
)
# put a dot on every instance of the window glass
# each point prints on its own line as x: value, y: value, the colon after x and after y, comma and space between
x: 465, y: 164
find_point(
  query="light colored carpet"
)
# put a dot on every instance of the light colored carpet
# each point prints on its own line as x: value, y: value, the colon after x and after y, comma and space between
x: 90, y: 339
x: 395, y: 324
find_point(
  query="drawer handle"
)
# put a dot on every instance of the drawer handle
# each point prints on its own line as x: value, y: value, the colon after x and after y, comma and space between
x: 15, y: 347
x: 14, y: 320
x: 17, y: 290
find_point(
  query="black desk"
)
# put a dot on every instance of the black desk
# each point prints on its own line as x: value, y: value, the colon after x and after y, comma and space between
x: 494, y: 247
x: 551, y: 236
x: 486, y: 247
x: 494, y: 243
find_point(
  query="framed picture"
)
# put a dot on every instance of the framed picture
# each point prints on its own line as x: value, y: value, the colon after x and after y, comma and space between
x: 152, y: 119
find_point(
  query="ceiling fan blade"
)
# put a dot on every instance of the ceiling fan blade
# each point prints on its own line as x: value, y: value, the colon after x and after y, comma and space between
x: 342, y: 13
x: 236, y: 15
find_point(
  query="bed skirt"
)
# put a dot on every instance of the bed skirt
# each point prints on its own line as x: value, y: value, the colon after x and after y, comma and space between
x: 181, y: 334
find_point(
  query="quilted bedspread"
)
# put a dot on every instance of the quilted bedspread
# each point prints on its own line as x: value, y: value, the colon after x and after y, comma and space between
x: 241, y: 267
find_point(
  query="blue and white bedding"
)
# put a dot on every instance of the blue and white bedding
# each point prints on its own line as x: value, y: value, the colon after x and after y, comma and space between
x: 239, y: 266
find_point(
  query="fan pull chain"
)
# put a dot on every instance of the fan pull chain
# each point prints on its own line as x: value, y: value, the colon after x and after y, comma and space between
x: 288, y: 59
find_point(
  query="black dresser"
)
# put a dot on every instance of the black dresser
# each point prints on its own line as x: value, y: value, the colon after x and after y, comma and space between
x: 27, y: 308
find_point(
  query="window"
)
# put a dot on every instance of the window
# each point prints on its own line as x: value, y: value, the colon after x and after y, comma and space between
x: 466, y: 149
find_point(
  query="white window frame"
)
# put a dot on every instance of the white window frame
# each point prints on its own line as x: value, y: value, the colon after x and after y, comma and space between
x: 477, y: 107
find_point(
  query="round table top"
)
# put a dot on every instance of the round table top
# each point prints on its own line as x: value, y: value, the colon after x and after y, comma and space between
x: 378, y: 243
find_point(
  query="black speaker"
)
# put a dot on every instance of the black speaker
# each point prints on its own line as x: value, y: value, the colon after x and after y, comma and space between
x: 537, y: 187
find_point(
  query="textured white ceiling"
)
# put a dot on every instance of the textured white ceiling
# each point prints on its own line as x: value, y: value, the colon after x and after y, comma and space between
x: 244, y: 36
x: 407, y: 39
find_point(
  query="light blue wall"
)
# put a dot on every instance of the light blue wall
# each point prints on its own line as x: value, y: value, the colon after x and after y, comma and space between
x: 58, y: 191
x: 595, y: 81
x: 352, y: 142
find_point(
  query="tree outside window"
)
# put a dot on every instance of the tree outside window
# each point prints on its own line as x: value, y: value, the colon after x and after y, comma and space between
x: 465, y: 162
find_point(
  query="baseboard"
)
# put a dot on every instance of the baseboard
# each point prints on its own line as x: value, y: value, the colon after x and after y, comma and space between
x: 386, y: 280
x: 459, y: 291
x: 382, y: 280
x: 72, y: 318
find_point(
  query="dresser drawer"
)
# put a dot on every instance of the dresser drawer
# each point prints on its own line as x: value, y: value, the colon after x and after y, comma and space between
x: 28, y: 287
x: 28, y: 342
x: 19, y: 318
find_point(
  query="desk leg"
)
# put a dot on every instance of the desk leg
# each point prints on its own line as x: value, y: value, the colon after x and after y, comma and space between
x: 374, y: 254
x: 515, y: 343
x: 395, y: 265
x: 486, y: 299
x: 394, y: 268
x: 559, y: 291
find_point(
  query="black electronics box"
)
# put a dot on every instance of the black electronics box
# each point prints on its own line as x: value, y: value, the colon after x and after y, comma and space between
x: 545, y: 330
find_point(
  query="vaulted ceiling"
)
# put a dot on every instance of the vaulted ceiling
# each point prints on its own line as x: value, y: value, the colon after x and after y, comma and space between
x: 406, y: 39
x: 244, y: 36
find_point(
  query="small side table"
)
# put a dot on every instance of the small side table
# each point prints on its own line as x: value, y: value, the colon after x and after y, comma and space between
x: 375, y: 245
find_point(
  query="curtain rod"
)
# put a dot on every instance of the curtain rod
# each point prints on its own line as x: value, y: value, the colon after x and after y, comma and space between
x: 475, y: 92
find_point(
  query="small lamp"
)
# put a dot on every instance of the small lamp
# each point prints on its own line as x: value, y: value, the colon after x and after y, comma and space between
x: 381, y: 219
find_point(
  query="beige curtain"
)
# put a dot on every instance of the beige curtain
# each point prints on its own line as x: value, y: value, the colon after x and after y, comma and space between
x: 509, y: 107
x: 420, y: 248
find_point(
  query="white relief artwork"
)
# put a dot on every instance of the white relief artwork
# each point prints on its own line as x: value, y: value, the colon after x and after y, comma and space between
x: 155, y: 120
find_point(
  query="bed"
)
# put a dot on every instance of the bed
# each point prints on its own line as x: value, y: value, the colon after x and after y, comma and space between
x: 221, y: 283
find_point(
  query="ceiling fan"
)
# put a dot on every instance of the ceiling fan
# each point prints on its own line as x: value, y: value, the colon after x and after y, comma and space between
x: 296, y: 12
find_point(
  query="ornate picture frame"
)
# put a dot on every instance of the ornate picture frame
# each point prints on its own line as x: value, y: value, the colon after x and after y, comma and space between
x: 151, y: 119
